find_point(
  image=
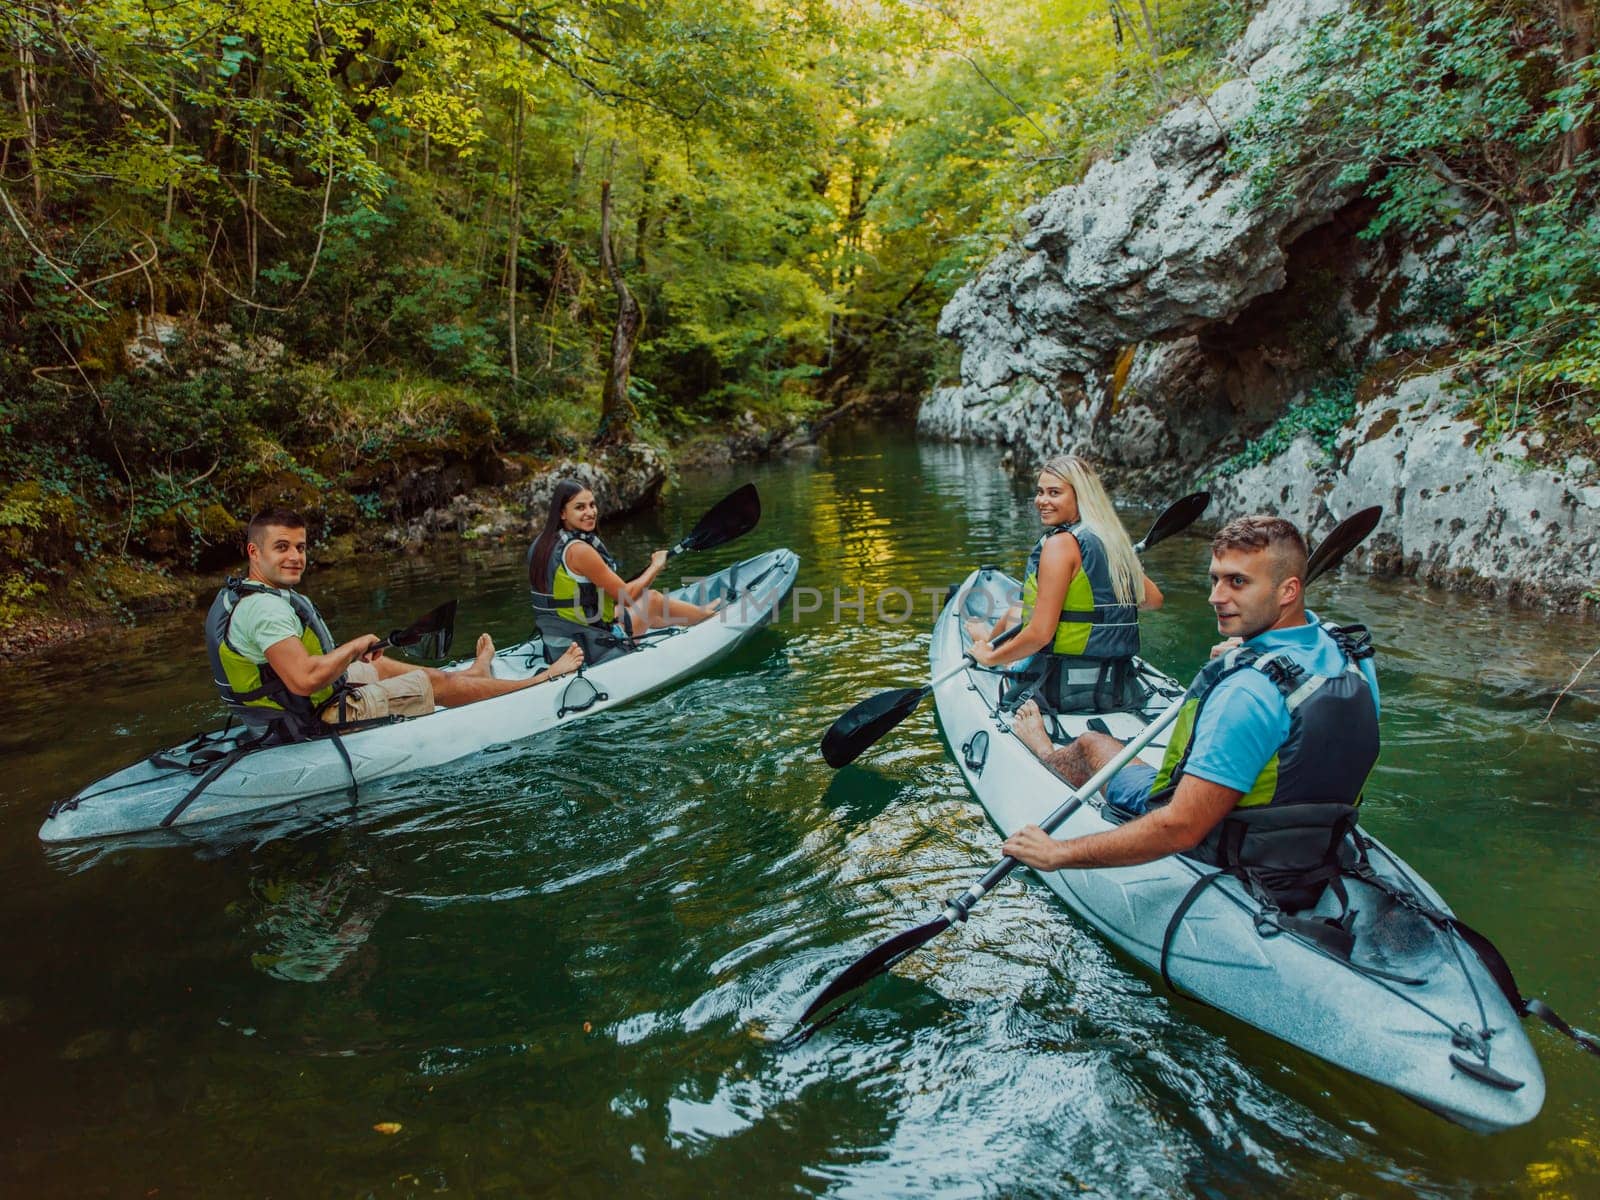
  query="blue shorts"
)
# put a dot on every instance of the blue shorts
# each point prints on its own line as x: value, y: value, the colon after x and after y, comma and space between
x: 1129, y: 788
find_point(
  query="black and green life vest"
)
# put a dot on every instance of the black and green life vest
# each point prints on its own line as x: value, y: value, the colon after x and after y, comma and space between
x: 1284, y: 836
x: 1094, y: 624
x: 1292, y: 836
x: 1333, y: 725
x: 253, y: 691
x: 559, y: 593
x: 1088, y: 665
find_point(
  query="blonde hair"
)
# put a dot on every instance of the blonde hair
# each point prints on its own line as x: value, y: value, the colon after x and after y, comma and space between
x: 1095, y: 511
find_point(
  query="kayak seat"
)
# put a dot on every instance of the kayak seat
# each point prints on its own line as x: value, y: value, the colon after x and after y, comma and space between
x: 1065, y: 685
x: 599, y: 643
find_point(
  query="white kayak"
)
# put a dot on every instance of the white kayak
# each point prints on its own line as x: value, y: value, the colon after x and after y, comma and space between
x: 195, y: 783
x: 1413, y: 1008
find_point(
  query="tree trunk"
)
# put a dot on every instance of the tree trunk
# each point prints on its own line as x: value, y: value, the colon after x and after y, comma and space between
x: 1153, y: 35
x: 480, y: 257
x: 252, y: 194
x: 1576, y: 18
x: 515, y: 235
x: 839, y: 328
x: 641, y: 227
x: 28, y: 109
x: 172, y: 150
x: 617, y: 413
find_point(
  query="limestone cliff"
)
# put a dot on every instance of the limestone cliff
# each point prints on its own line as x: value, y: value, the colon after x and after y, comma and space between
x: 1155, y: 318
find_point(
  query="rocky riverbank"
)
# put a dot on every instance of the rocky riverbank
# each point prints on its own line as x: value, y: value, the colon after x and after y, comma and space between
x: 624, y: 479
x: 501, y: 498
x: 1159, y: 318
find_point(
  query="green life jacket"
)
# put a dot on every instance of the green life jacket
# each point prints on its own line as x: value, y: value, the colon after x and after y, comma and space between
x: 253, y: 691
x: 1333, y: 726
x: 571, y: 597
x: 1094, y: 624
x: 1292, y: 836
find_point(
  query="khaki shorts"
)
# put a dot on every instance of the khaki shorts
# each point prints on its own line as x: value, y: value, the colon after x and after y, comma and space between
x: 408, y: 695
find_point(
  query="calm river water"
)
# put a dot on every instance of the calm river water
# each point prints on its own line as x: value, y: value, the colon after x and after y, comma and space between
x: 564, y: 973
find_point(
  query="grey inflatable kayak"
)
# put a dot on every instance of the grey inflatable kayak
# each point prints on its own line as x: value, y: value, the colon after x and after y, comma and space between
x: 1412, y: 1008
x: 197, y: 783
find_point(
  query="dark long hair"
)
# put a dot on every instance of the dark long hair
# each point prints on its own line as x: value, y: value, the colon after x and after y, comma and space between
x: 539, y: 554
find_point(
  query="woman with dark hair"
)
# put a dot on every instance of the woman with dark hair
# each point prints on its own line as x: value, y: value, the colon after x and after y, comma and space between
x: 578, y: 586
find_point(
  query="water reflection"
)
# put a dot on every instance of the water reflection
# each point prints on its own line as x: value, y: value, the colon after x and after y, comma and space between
x: 564, y: 967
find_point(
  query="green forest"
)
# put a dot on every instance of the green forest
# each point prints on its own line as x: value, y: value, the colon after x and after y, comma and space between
x: 268, y: 248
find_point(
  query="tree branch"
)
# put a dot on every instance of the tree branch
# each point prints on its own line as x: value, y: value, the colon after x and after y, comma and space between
x: 45, y: 258
x: 541, y: 45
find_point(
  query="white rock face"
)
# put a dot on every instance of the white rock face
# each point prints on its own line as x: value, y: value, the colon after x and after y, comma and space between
x: 1218, y: 315
x: 1025, y: 416
x: 1488, y: 521
x: 1152, y: 245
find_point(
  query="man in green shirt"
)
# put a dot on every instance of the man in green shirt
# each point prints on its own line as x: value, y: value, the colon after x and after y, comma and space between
x: 274, y: 659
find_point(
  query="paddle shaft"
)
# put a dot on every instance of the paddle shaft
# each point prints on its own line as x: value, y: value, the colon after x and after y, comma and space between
x: 961, y: 905
x: 967, y: 661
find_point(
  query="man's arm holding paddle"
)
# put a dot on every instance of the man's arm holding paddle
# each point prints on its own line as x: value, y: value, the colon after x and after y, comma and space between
x: 1197, y: 807
x: 304, y: 673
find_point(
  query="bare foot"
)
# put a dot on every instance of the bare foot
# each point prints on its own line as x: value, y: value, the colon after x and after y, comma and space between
x: 1028, y: 725
x: 568, y: 662
x: 482, y: 657
x: 702, y: 612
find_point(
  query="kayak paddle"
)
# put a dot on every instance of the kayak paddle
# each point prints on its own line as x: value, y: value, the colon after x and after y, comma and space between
x: 735, y: 515
x: 859, y: 729
x: 878, y: 960
x: 1344, y: 537
x: 432, y: 633
x: 1180, y: 514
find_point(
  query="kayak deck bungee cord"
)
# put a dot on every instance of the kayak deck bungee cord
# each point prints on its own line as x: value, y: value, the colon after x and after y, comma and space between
x: 1405, y: 999
x: 228, y: 773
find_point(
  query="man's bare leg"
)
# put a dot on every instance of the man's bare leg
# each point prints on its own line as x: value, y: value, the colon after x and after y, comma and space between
x: 454, y: 688
x: 1075, y: 762
x: 482, y: 658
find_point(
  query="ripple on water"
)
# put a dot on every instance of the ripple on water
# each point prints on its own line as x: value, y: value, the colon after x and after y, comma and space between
x: 569, y: 965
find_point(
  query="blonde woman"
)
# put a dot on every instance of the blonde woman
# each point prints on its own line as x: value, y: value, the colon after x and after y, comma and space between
x: 1081, y: 595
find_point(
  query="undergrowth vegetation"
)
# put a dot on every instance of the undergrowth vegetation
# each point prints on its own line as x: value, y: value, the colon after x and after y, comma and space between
x: 1475, y: 120
x: 259, y: 251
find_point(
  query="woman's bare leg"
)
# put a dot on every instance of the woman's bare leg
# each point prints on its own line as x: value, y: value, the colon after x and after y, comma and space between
x: 653, y: 610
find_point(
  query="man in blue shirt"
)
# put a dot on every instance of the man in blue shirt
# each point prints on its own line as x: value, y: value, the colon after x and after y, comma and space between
x: 1258, y: 567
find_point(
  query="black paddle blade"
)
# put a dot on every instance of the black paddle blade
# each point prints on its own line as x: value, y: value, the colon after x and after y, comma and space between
x: 874, y: 963
x: 1343, y: 538
x: 735, y: 515
x: 431, y: 633
x: 1179, y: 516
x: 856, y: 731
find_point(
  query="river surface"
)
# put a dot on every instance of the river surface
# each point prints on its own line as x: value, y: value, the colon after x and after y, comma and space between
x: 566, y: 972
